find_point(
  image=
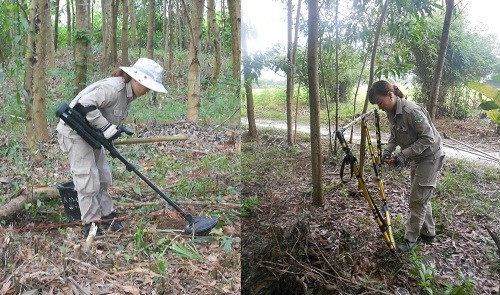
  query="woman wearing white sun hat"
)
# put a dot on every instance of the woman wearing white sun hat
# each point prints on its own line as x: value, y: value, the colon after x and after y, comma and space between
x: 105, y: 104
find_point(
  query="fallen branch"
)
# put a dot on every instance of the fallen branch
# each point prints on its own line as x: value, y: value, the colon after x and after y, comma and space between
x: 151, y: 139
x: 26, y: 196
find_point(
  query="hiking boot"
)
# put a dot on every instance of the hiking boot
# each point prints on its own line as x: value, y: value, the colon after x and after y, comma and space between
x: 86, y: 230
x: 427, y: 239
x: 406, y: 246
x: 111, y: 221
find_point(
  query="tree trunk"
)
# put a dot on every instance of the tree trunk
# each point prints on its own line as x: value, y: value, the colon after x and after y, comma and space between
x: 49, y: 38
x: 337, y: 88
x: 312, y: 74
x: 69, y: 24
x: 133, y: 25
x: 289, y: 76
x: 165, y: 35
x: 39, y: 72
x: 82, y: 43
x: 30, y: 60
x: 114, y: 27
x: 106, y: 6
x: 438, y: 73
x: 247, y: 81
x: 56, y: 24
x: 125, y: 60
x: 235, y: 16
x: 370, y: 82
x: 151, y: 28
x: 194, y: 82
x: 171, y: 41
x: 214, y: 28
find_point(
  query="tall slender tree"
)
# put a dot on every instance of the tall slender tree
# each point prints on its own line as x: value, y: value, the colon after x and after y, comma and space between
x: 247, y: 83
x: 371, y: 78
x: 438, y: 73
x: 234, y: 7
x: 151, y: 29
x: 214, y: 29
x: 289, y: 75
x: 82, y: 42
x: 314, y: 100
x: 194, y: 73
x: 125, y: 39
x: 69, y: 22
x: 56, y: 24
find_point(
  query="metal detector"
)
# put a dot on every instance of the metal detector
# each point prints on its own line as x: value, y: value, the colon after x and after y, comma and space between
x: 197, y: 225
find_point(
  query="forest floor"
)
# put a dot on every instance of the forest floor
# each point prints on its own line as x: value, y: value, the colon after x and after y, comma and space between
x: 290, y: 246
x: 42, y: 252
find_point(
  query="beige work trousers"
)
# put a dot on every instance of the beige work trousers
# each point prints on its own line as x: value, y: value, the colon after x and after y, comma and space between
x: 91, y: 175
x: 423, y: 181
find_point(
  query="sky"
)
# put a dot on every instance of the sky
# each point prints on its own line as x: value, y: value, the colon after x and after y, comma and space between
x: 268, y: 18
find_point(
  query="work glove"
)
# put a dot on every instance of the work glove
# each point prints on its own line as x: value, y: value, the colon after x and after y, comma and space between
x: 386, y: 155
x: 120, y: 130
x: 399, y: 160
x: 109, y: 130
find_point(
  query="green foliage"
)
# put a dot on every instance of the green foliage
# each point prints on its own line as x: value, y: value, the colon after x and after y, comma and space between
x: 185, y: 250
x: 423, y: 272
x: 466, y: 287
x: 249, y: 205
x: 492, y: 106
x: 82, y: 36
x: 469, y: 186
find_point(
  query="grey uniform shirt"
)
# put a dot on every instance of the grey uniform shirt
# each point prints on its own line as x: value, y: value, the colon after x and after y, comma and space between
x: 112, y: 97
x: 413, y: 131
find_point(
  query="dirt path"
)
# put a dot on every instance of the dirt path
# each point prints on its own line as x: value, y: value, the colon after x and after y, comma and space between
x: 451, y: 148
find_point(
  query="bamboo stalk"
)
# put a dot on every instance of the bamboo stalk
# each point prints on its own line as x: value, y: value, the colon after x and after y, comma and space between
x: 151, y: 139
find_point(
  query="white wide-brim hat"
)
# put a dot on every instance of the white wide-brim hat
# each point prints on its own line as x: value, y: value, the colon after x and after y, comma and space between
x: 148, y: 73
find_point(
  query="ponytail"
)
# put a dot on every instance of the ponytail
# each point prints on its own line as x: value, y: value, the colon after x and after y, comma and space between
x: 382, y: 88
x: 121, y: 73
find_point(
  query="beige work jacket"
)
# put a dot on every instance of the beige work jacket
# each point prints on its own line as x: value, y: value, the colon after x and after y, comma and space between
x: 112, y: 97
x: 413, y: 131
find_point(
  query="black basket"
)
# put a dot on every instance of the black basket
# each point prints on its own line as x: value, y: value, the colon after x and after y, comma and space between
x: 69, y: 198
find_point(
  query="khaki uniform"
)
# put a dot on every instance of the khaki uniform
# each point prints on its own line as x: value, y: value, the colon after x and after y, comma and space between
x: 89, y: 168
x: 420, y: 143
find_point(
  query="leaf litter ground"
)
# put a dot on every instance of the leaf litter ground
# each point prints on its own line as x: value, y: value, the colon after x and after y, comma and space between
x: 152, y: 255
x: 292, y: 247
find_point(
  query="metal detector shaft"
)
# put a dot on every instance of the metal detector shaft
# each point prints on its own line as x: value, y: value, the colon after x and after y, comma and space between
x: 115, y: 154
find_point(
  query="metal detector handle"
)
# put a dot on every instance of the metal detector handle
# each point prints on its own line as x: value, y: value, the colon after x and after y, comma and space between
x: 74, y: 120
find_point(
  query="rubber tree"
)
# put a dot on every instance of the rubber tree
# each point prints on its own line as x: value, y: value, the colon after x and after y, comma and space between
x: 194, y: 72
x: 214, y: 29
x: 151, y: 29
x: 82, y: 42
x: 125, y: 26
x: 314, y: 101
x: 234, y: 7
x: 36, y: 65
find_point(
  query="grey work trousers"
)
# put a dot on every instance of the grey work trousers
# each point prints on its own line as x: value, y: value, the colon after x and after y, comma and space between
x: 91, y: 175
x: 423, y: 181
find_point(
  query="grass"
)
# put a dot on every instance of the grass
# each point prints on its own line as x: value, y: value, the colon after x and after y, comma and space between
x: 269, y: 103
